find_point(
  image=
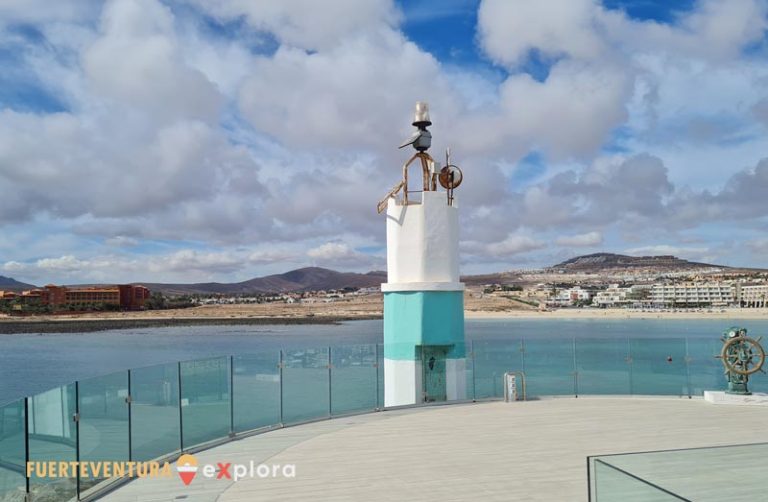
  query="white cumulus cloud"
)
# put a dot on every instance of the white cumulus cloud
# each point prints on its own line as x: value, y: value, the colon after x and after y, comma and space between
x: 230, y: 138
x: 589, y: 239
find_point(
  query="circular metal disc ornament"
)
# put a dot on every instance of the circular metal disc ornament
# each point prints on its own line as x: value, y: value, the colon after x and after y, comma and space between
x: 743, y: 355
x: 450, y: 177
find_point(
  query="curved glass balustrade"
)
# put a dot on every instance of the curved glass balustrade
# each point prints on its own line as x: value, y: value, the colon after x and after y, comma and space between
x: 159, y: 411
x: 731, y: 472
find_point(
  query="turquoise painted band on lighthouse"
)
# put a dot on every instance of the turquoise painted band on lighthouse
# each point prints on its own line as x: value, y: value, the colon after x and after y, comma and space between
x: 413, y: 318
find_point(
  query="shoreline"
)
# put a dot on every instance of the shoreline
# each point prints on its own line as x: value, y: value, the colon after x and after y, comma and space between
x: 47, y: 326
x: 618, y: 314
x: 140, y: 320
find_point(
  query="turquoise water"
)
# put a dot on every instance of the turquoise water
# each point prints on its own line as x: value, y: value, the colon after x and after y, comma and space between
x: 207, y: 396
x: 32, y: 363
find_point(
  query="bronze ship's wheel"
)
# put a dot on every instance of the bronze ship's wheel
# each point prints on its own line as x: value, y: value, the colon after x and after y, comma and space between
x: 743, y: 355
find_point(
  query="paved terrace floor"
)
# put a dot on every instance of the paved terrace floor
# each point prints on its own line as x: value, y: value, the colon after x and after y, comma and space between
x: 524, y: 451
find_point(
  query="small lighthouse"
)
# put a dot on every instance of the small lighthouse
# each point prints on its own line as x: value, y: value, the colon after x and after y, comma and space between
x: 424, y: 348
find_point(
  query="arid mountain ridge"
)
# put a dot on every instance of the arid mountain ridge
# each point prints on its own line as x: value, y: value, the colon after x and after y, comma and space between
x: 10, y: 284
x: 598, y: 262
x: 316, y: 278
x: 303, y: 279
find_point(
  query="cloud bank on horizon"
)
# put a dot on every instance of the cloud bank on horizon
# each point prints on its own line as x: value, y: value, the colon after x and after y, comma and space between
x: 192, y: 140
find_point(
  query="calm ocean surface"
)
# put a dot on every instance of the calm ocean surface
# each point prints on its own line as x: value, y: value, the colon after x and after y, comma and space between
x: 32, y: 363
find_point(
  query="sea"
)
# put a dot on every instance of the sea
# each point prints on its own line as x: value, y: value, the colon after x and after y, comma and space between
x: 32, y: 363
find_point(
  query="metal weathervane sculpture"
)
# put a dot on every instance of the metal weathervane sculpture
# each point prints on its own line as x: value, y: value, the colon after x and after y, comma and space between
x: 449, y: 177
x: 742, y: 356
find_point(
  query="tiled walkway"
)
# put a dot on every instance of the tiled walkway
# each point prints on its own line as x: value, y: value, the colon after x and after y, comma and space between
x: 520, y: 451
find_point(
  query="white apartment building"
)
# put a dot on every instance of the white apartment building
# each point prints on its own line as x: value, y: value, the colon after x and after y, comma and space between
x: 611, y: 297
x: 693, y: 295
x: 755, y: 296
x: 568, y: 297
x: 616, y: 296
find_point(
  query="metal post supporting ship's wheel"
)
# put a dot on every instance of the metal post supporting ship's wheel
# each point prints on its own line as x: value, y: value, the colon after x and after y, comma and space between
x: 742, y: 356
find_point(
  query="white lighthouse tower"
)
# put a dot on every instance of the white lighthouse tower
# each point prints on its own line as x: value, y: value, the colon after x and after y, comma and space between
x: 424, y: 348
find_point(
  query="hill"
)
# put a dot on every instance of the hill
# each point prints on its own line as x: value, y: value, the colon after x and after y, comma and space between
x: 315, y: 278
x: 303, y: 279
x: 615, y: 262
x: 8, y: 283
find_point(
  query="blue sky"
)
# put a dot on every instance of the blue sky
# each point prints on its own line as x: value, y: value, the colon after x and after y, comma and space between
x: 447, y: 29
x: 188, y: 140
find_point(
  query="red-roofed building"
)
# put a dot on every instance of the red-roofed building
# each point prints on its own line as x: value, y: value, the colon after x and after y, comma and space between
x: 127, y: 296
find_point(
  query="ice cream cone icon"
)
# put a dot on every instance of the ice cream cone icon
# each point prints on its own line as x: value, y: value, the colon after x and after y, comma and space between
x: 187, y: 468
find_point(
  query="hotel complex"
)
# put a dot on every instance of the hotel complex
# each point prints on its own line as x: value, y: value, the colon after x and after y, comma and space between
x: 126, y: 296
x: 680, y: 295
x: 753, y: 296
x: 693, y: 295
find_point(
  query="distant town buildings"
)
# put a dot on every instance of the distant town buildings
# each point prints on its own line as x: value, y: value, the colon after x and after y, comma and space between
x: 617, y: 296
x: 304, y: 298
x: 614, y: 296
x: 666, y: 294
x: 693, y: 295
x: 124, y: 296
x: 571, y: 296
x: 753, y: 295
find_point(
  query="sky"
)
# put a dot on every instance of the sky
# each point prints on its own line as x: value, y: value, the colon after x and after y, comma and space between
x: 197, y: 140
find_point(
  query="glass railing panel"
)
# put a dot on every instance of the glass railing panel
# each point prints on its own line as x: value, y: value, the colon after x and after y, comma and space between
x: 256, y: 390
x: 380, y: 374
x: 659, y: 366
x: 103, y: 422
x: 758, y: 382
x: 549, y: 366
x: 470, y: 376
x: 53, y: 438
x: 612, y: 485
x: 491, y: 359
x: 205, y: 400
x: 306, y: 384
x: 458, y: 366
x: 700, y: 474
x: 353, y: 378
x: 155, y: 425
x: 12, y: 452
x: 602, y: 366
x: 704, y: 370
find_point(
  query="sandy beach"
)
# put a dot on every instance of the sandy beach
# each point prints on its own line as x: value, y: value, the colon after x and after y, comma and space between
x: 368, y: 307
x: 732, y: 313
